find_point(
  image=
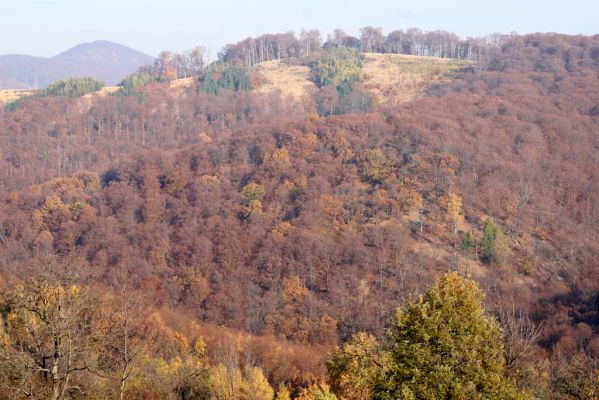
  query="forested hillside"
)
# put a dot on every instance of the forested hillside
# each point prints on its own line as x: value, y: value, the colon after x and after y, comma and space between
x: 241, y: 234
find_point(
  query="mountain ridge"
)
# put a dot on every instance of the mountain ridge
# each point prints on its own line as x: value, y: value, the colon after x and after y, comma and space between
x: 102, y: 59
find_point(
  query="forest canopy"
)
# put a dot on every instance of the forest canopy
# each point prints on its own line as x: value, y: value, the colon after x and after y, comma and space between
x: 241, y: 241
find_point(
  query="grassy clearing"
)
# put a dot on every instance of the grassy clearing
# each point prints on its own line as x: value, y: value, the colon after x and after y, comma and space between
x: 391, y: 78
x: 7, y: 96
x: 395, y: 79
x: 291, y: 80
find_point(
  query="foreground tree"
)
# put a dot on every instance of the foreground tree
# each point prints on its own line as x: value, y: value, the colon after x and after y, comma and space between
x: 355, y: 368
x: 446, y: 347
x: 317, y: 392
x: 47, y: 342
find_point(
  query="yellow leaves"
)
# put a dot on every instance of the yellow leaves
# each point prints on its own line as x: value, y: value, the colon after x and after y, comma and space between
x: 279, y: 155
x: 294, y: 289
x: 454, y: 209
x: 283, y: 393
x: 200, y: 349
x: 252, y: 209
x: 355, y: 368
x: 454, y: 204
x: 4, y: 338
x: 252, y: 194
x: 158, y: 254
x: 312, y: 138
x: 319, y: 391
x: 225, y: 384
x: 374, y: 166
x: 256, y: 386
x: 54, y: 204
x: 12, y: 316
x: 231, y: 384
x: 75, y: 290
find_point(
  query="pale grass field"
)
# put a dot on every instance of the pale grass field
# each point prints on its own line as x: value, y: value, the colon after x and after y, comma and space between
x: 291, y: 80
x: 395, y: 78
x: 105, y: 91
x: 391, y: 78
x: 6, y: 96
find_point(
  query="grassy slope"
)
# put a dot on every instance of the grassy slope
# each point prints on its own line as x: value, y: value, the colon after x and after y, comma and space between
x: 395, y: 79
x: 392, y: 78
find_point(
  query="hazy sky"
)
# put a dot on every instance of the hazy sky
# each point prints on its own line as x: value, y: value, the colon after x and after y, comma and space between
x: 47, y: 27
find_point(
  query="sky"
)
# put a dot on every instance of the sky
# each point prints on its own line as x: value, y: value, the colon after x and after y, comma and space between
x: 48, y: 27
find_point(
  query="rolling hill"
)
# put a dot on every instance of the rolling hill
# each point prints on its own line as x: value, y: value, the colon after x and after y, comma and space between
x: 254, y: 220
x: 102, y: 60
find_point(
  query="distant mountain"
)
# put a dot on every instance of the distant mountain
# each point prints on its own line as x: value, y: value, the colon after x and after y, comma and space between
x: 103, y: 60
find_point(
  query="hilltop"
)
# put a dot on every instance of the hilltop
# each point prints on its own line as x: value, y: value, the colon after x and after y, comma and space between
x: 102, y: 60
x: 391, y: 78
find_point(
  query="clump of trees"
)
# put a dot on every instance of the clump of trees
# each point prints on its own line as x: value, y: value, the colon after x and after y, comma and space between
x: 225, y: 76
x: 336, y: 72
x: 340, y: 67
x: 411, y: 41
x: 493, y: 247
x: 494, y: 243
x: 169, y: 66
x: 443, y: 345
x: 60, y: 339
x: 133, y: 83
x: 75, y: 87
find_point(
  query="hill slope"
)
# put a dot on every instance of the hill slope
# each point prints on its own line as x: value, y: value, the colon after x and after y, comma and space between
x: 102, y: 60
x: 259, y: 215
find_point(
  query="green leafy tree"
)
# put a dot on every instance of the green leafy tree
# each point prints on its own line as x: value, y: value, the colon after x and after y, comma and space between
x: 494, y: 244
x: 446, y: 347
x: 468, y: 241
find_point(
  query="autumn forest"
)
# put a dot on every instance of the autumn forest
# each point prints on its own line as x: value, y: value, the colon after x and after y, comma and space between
x: 202, y: 231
